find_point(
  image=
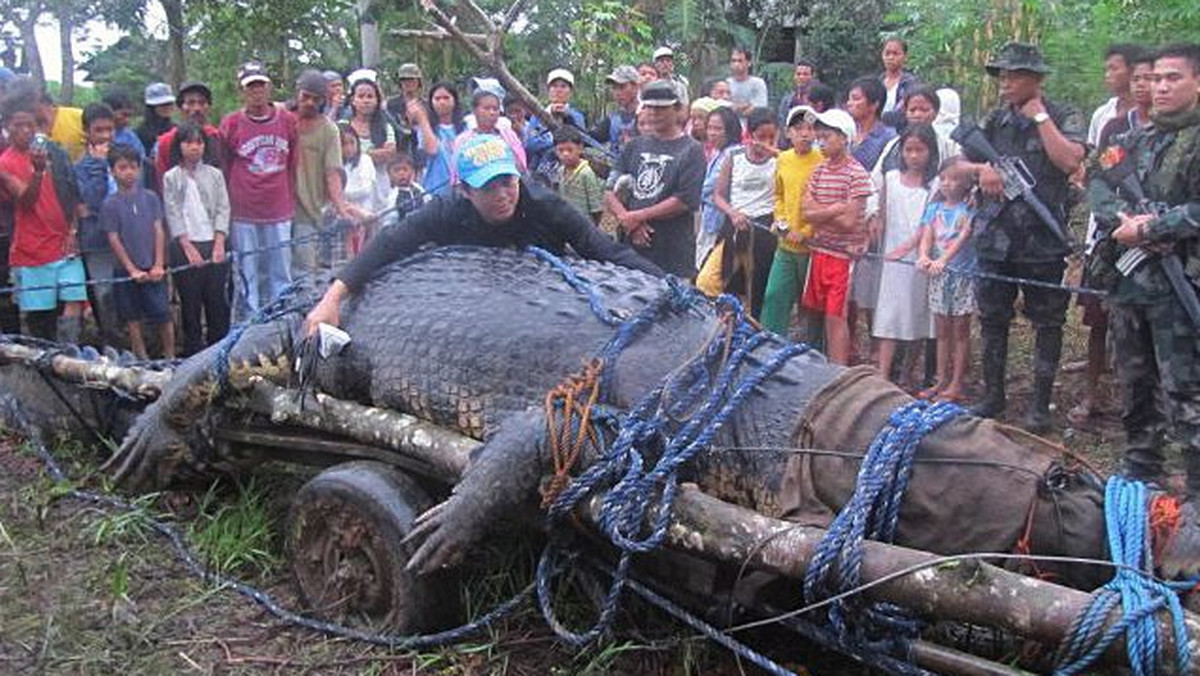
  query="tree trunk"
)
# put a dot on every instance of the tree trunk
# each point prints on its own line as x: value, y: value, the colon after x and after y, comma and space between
x: 32, y: 58
x: 176, y: 32
x: 66, y: 26
x: 368, y: 33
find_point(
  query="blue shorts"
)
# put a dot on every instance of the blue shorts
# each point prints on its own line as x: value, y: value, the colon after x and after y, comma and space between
x: 41, y: 287
x: 140, y: 302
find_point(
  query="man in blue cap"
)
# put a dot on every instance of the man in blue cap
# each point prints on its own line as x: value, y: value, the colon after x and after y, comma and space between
x: 494, y: 207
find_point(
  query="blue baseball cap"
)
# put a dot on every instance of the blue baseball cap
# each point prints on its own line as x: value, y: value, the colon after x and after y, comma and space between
x: 484, y: 157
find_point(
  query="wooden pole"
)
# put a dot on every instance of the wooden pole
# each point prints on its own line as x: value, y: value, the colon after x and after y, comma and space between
x: 969, y: 591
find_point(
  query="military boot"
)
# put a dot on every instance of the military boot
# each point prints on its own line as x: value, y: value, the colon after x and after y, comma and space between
x: 1047, y: 348
x: 995, y: 358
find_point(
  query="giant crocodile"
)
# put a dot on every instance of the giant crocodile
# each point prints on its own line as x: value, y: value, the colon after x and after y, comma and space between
x: 472, y: 339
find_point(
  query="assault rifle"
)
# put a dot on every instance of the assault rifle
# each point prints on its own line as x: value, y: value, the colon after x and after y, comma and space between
x: 1019, y: 182
x: 1123, y: 176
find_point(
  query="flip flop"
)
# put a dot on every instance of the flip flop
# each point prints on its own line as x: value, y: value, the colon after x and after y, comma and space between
x: 928, y: 394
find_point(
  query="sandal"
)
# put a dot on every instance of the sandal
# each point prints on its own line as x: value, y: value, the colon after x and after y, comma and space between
x: 951, y: 398
x: 929, y: 393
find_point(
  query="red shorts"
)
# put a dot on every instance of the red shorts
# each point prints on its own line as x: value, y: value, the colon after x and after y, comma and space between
x: 827, y: 289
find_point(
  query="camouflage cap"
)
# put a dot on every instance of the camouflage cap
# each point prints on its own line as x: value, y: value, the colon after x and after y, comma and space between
x: 1018, y: 56
x: 408, y: 71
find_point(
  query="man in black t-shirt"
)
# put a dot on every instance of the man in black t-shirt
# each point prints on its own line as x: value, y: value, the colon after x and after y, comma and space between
x: 494, y: 208
x: 664, y: 171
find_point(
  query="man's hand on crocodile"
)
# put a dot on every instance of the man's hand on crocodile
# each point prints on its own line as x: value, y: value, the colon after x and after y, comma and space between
x: 328, y: 310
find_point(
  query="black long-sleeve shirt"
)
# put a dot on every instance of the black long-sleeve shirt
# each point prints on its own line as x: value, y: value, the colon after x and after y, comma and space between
x: 542, y: 219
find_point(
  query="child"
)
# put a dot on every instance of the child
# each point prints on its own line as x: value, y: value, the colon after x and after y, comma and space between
x: 358, y: 188
x: 835, y: 202
x: 947, y: 256
x: 746, y: 242
x: 902, y: 310
x: 790, y: 267
x: 407, y: 195
x: 577, y: 183
x: 95, y: 185
x: 197, y: 210
x: 132, y: 219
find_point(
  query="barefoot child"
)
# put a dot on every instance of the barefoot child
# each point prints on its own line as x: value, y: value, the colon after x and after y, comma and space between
x: 902, y: 310
x: 835, y: 203
x: 132, y: 218
x: 945, y: 254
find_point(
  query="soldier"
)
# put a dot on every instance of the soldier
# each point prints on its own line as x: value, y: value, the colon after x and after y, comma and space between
x: 1049, y: 138
x: 1156, y: 344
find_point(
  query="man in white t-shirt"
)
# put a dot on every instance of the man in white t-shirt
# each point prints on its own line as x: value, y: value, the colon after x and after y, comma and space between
x: 746, y: 90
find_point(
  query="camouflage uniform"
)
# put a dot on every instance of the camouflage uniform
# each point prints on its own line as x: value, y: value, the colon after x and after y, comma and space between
x: 1016, y: 244
x: 1157, y: 348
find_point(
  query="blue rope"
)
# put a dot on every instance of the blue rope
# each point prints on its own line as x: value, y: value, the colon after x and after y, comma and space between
x: 873, y: 512
x: 1141, y: 596
x: 639, y: 493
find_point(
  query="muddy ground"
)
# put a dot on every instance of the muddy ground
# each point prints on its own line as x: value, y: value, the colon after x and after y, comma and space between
x: 85, y: 592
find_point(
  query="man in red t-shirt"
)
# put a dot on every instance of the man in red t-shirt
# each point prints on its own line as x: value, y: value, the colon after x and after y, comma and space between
x: 259, y: 143
x: 43, y: 253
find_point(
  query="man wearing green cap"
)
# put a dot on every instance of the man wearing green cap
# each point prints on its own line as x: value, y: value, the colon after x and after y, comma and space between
x: 1050, y: 139
x: 494, y: 208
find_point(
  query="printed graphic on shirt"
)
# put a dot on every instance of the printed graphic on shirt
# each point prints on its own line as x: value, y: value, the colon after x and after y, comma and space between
x: 649, y: 184
x: 266, y: 153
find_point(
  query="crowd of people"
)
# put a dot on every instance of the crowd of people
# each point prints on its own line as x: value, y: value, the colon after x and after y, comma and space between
x: 839, y: 219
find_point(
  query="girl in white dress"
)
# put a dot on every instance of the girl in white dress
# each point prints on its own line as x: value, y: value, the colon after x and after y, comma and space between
x: 902, y: 313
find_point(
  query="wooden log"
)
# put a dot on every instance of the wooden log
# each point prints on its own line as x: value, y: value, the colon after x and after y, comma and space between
x: 969, y: 591
x: 445, y: 452
x: 135, y: 381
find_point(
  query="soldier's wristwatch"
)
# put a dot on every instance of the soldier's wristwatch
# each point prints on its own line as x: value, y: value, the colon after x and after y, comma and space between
x: 1041, y: 117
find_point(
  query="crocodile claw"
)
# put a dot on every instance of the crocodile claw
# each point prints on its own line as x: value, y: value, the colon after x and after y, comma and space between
x: 441, y: 536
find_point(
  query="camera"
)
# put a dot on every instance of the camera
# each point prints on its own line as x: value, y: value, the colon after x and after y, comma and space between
x: 39, y: 143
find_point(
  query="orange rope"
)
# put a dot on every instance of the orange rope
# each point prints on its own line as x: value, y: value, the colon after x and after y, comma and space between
x: 569, y: 406
x: 1164, y: 521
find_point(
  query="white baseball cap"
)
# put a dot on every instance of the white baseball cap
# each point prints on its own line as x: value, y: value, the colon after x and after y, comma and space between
x: 561, y: 74
x: 663, y: 51
x: 806, y: 112
x: 839, y: 120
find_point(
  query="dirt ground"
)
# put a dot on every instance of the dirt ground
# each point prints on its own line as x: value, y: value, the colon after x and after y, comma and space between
x: 86, y: 592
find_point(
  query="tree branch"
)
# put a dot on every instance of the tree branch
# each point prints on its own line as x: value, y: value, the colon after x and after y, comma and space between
x: 493, y: 58
x: 511, y: 15
x: 436, y: 35
x: 447, y: 24
x: 481, y: 16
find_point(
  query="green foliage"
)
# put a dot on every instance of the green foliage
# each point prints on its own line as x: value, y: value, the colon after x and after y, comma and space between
x: 608, y: 34
x: 238, y: 536
x: 132, y: 525
x: 951, y: 40
x: 843, y: 39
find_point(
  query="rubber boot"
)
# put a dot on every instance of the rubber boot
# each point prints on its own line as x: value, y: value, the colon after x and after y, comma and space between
x: 1047, y: 349
x: 69, y: 328
x: 995, y: 359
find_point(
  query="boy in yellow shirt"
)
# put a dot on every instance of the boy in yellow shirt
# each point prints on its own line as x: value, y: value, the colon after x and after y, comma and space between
x: 790, y: 267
